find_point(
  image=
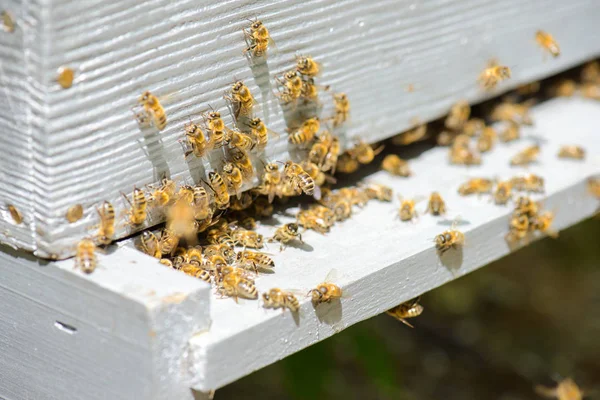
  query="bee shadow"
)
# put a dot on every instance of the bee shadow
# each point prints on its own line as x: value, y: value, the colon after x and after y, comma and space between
x: 329, y: 313
x: 196, y: 168
x: 262, y: 74
x: 301, y: 246
x: 452, y: 259
x: 447, y: 222
x: 155, y: 151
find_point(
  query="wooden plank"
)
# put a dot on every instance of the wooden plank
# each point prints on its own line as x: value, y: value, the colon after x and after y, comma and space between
x: 86, y: 147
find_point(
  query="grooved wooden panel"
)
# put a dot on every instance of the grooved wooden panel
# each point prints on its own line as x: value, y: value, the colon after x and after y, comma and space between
x: 85, y: 146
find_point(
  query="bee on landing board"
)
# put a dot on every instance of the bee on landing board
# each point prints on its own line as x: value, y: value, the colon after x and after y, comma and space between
x: 363, y: 152
x: 299, y: 178
x: 458, y: 115
x: 476, y: 185
x: 436, y: 205
x: 285, y: 234
x: 526, y: 156
x: 106, y: 229
x: 449, y: 239
x: 575, y: 152
x: 278, y: 298
x: 409, y: 309
x: 395, y: 166
x: 407, y: 211
x: 326, y: 291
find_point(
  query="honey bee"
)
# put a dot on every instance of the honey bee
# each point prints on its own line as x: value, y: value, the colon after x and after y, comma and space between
x: 458, y: 115
x: 591, y: 91
x: 306, y: 66
x: 15, y: 214
x: 258, y: 39
x: 181, y: 221
x: 197, y: 141
x: 185, y: 195
x: 518, y: 227
x: 594, y: 186
x: 65, y: 77
x: 299, y: 178
x: 167, y: 263
x: 503, y: 192
x: 223, y: 249
x: 308, y: 219
x: 262, y: 207
x: 292, y: 86
x: 315, y: 172
x: 342, y: 108
x: 419, y: 132
x: 364, y: 152
x: 153, y: 108
x: 106, y: 229
x: 590, y: 73
x: 476, y: 185
x: 395, y: 165
x: 237, y: 285
x: 526, y: 156
x: 164, y: 194
x: 318, y: 152
x: 286, y: 234
x: 576, y: 152
x: 326, y: 291
x: 255, y: 261
x: 196, y: 271
x: 247, y: 238
x: 277, y: 298
x: 436, y: 204
x: 451, y: 238
x: 464, y: 156
x: 219, y: 187
x: 137, y: 212
x: 85, y: 257
x: 241, y: 160
x: 243, y: 203
x: 8, y: 22
x: 407, y: 211
x: 306, y: 132
x: 310, y: 91
x: 150, y: 245
x: 493, y: 75
x: 486, y: 140
x: 525, y: 206
x: 542, y: 222
x: 216, y: 128
x: 241, y: 99
x: 354, y: 195
x: 200, y: 203
x: 409, y: 309
x: 168, y: 241
x: 260, y: 133
x: 220, y: 236
x: 270, y: 181
x: 511, y: 112
x: 528, y: 183
x: 379, y: 192
x: 331, y: 159
x: 473, y: 126
x: 233, y: 178
x: 566, y: 389
x: 547, y: 42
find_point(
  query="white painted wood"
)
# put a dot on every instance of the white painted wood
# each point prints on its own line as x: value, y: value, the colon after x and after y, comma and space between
x: 383, y: 261
x: 120, y: 333
x: 81, y: 145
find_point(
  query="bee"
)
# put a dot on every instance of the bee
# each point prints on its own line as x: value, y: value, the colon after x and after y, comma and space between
x: 436, y: 204
x: 347, y: 164
x: 292, y: 86
x: 247, y: 238
x: 197, y: 141
x: 106, y: 229
x: 241, y: 99
x: 286, y: 234
x: 594, y: 186
x: 233, y: 177
x: 185, y: 195
x: 473, y: 126
x: 326, y: 291
x: 200, y: 203
x: 223, y: 249
x: 564, y: 88
x: 407, y: 211
x: 526, y: 156
x: 514, y: 113
x: 591, y: 91
x: 518, y: 227
x: 65, y: 77
x: 243, y: 203
x: 216, y: 127
x: 486, y: 140
x: 342, y: 108
x: 493, y: 75
x: 219, y: 236
x: 409, y: 309
x: 237, y: 285
x: 219, y: 187
x: 318, y: 152
x: 258, y: 39
x: 262, y: 207
x: 153, y: 108
x: 576, y: 152
x: 315, y: 173
x: 181, y: 221
x: 364, y: 152
x: 306, y: 132
x: 299, y: 178
x: 354, y: 195
x: 241, y: 160
x: 464, y: 156
x: 260, y: 133
x: 255, y: 260
x: 547, y: 42
x: 476, y: 185
x: 451, y: 238
x: 164, y: 194
x: 331, y: 159
x: 419, y: 132
x: 168, y: 241
x: 542, y: 222
x: 137, y: 212
x: 238, y: 140
x: 308, y: 219
x: 196, y: 271
x: 277, y: 298
x: 85, y: 256
x: 379, y: 192
x: 525, y: 206
x: 8, y: 22
x: 150, y: 245
x: 15, y: 214
x: 503, y: 192
x: 458, y: 116
x: 528, y: 183
x: 306, y: 66
x: 271, y: 180
x: 167, y: 263
x: 310, y: 91
x: 395, y: 165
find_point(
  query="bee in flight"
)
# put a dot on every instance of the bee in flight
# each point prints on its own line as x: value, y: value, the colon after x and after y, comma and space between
x: 547, y: 42
x: 493, y: 74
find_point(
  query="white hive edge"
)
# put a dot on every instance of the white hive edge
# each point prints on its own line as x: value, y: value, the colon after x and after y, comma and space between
x: 59, y: 147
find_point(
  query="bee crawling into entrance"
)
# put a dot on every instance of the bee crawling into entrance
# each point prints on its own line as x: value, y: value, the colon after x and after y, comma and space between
x: 408, y: 309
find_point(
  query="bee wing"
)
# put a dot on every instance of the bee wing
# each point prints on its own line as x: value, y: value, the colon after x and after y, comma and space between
x: 332, y: 276
x: 317, y: 193
x: 273, y: 133
x: 273, y: 45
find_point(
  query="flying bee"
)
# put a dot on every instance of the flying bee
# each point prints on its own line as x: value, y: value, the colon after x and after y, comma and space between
x: 326, y: 291
x: 379, y: 192
x: 260, y: 133
x: 476, y: 185
x: 241, y: 99
x: 219, y: 187
x: 409, y: 309
x: 168, y: 241
x: 486, y: 140
x: 503, y: 192
x: 473, y: 126
x: 395, y: 166
x: 238, y: 140
x: 331, y: 159
x: 299, y: 178
x: 254, y: 260
x: 164, y: 194
x: 407, y: 211
x: 306, y: 132
x: 566, y: 389
x: 576, y: 152
x: 196, y: 138
x: 364, y: 152
x: 152, y: 107
x: 236, y: 285
x: 526, y: 156
x: 200, y: 203
x: 547, y: 42
x: 196, y: 271
x: 449, y: 239
x: 493, y: 75
x: 342, y: 109
x: 436, y: 204
x: 277, y: 298
x: 258, y: 39
x: 306, y: 66
x: 528, y: 183
x: 15, y: 214
x: 106, y: 228
x: 286, y: 234
x: 458, y: 115
x: 85, y: 256
x: 181, y: 221
x: 216, y: 128
x: 137, y: 212
x: 233, y: 177
x: 241, y: 160
x: 246, y: 238
x: 150, y: 245
x: 291, y: 84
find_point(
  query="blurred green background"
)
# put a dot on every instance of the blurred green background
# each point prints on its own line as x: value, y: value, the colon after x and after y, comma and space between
x: 526, y: 319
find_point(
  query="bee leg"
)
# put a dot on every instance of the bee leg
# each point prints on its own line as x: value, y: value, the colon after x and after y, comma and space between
x: 405, y: 322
